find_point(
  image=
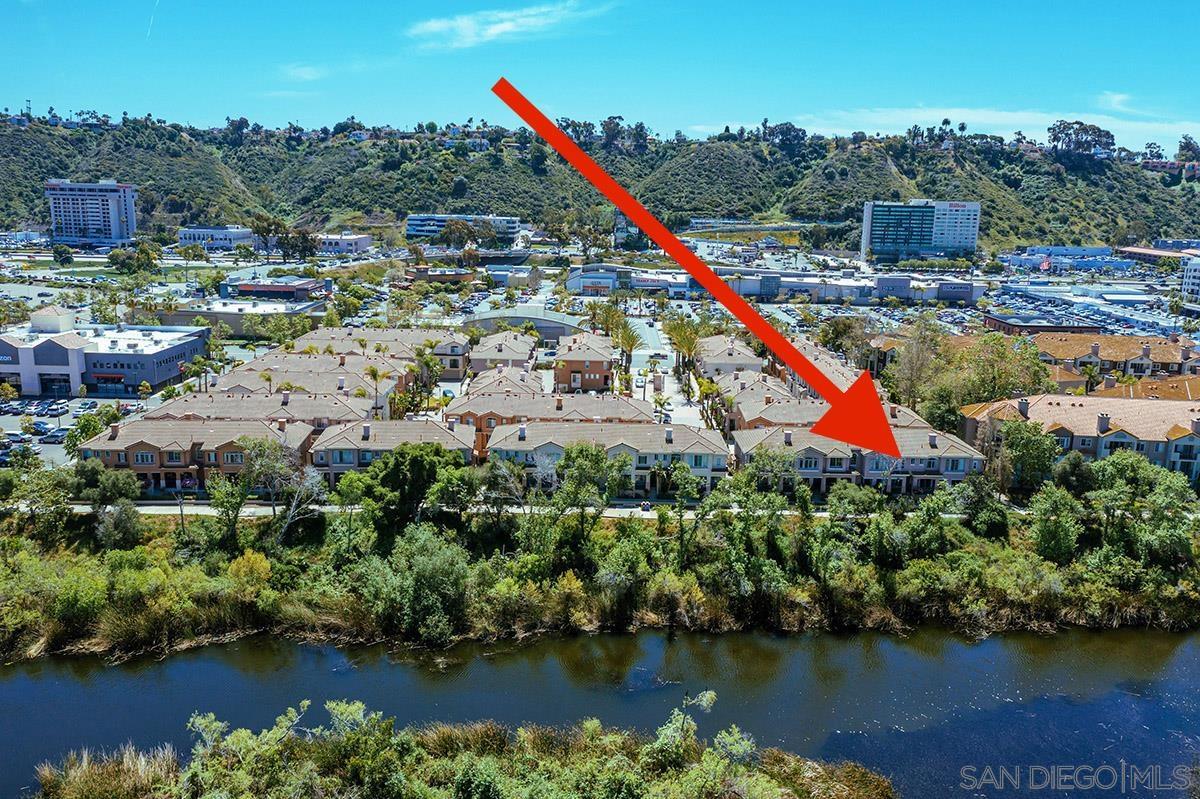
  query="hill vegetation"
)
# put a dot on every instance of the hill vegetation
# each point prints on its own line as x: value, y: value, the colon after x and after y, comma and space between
x: 328, y: 179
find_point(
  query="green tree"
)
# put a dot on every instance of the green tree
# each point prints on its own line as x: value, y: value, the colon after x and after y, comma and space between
x: 1055, y: 523
x: 1030, y: 453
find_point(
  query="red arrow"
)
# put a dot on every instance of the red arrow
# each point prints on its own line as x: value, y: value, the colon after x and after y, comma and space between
x: 855, y: 416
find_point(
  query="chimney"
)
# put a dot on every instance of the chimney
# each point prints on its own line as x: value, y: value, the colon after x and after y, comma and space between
x: 499, y: 368
x: 1173, y: 337
x: 729, y: 351
x: 521, y: 432
x: 341, y: 382
x: 1145, y: 350
x: 450, y: 425
x: 769, y: 399
x: 558, y: 403
x: 787, y: 438
x: 287, y: 395
x: 737, y: 375
x: 1110, y: 381
x: 1023, y: 407
x: 670, y: 434
x: 1185, y: 352
x: 1095, y: 349
x: 366, y: 432
x: 281, y: 424
x: 1196, y: 426
x: 892, y: 410
x: 933, y: 440
x: 741, y: 385
x: 1102, y: 421
x: 341, y: 360
x: 113, y: 431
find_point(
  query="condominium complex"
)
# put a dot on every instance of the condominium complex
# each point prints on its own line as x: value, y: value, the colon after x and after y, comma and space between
x: 423, y: 226
x: 95, y: 214
x: 919, y: 229
x: 1166, y: 431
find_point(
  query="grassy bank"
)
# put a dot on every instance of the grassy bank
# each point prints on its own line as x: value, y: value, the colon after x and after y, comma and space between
x: 359, y: 753
x: 428, y: 551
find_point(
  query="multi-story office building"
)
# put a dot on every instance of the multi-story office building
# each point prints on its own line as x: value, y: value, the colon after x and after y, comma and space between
x: 344, y: 243
x: 50, y: 355
x: 217, y: 237
x: 423, y: 226
x: 1191, y: 279
x: 919, y: 229
x: 97, y: 214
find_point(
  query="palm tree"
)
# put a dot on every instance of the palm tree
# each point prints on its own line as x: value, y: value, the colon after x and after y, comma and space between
x: 1091, y: 374
x: 269, y: 379
x: 377, y: 376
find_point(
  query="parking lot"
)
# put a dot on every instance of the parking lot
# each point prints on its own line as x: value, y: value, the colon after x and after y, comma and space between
x: 52, y: 420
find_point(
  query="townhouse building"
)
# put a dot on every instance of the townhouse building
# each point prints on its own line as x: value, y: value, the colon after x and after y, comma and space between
x: 317, y: 410
x: 169, y: 455
x: 1183, y: 387
x: 1126, y: 355
x: 741, y: 389
x: 830, y: 364
x: 506, y: 348
x: 718, y: 355
x: 355, y: 446
x: 344, y: 375
x: 484, y: 413
x: 506, y: 380
x: 539, y: 446
x: 1166, y: 431
x: 584, y: 363
x: 927, y: 459
x: 450, y: 347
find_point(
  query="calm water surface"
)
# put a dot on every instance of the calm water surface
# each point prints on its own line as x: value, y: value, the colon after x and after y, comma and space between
x: 918, y: 709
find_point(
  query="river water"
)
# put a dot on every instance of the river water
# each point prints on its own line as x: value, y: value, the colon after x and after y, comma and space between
x: 939, y: 715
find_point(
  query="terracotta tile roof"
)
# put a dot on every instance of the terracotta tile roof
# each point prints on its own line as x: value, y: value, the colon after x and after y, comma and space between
x: 183, y: 434
x: 387, y: 435
x: 1062, y: 346
x: 284, y: 405
x: 506, y: 378
x: 547, y: 407
x: 586, y: 347
x: 398, y: 340
x: 504, y: 346
x: 1186, y: 387
x: 1147, y: 419
x: 725, y: 349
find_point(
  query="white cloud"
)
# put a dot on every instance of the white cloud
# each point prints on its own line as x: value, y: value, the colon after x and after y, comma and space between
x: 1115, y: 101
x: 482, y: 27
x: 1132, y: 133
x: 303, y: 72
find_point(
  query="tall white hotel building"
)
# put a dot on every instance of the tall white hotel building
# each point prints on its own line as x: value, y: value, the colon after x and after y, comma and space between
x: 101, y: 214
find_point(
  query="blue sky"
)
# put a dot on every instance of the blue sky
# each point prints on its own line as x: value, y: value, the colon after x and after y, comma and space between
x: 693, y: 66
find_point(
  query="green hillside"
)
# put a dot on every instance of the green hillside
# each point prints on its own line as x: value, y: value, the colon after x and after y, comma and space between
x: 188, y: 176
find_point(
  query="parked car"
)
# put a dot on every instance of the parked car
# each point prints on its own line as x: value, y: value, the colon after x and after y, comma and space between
x: 55, y: 436
x: 17, y: 436
x: 42, y: 428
